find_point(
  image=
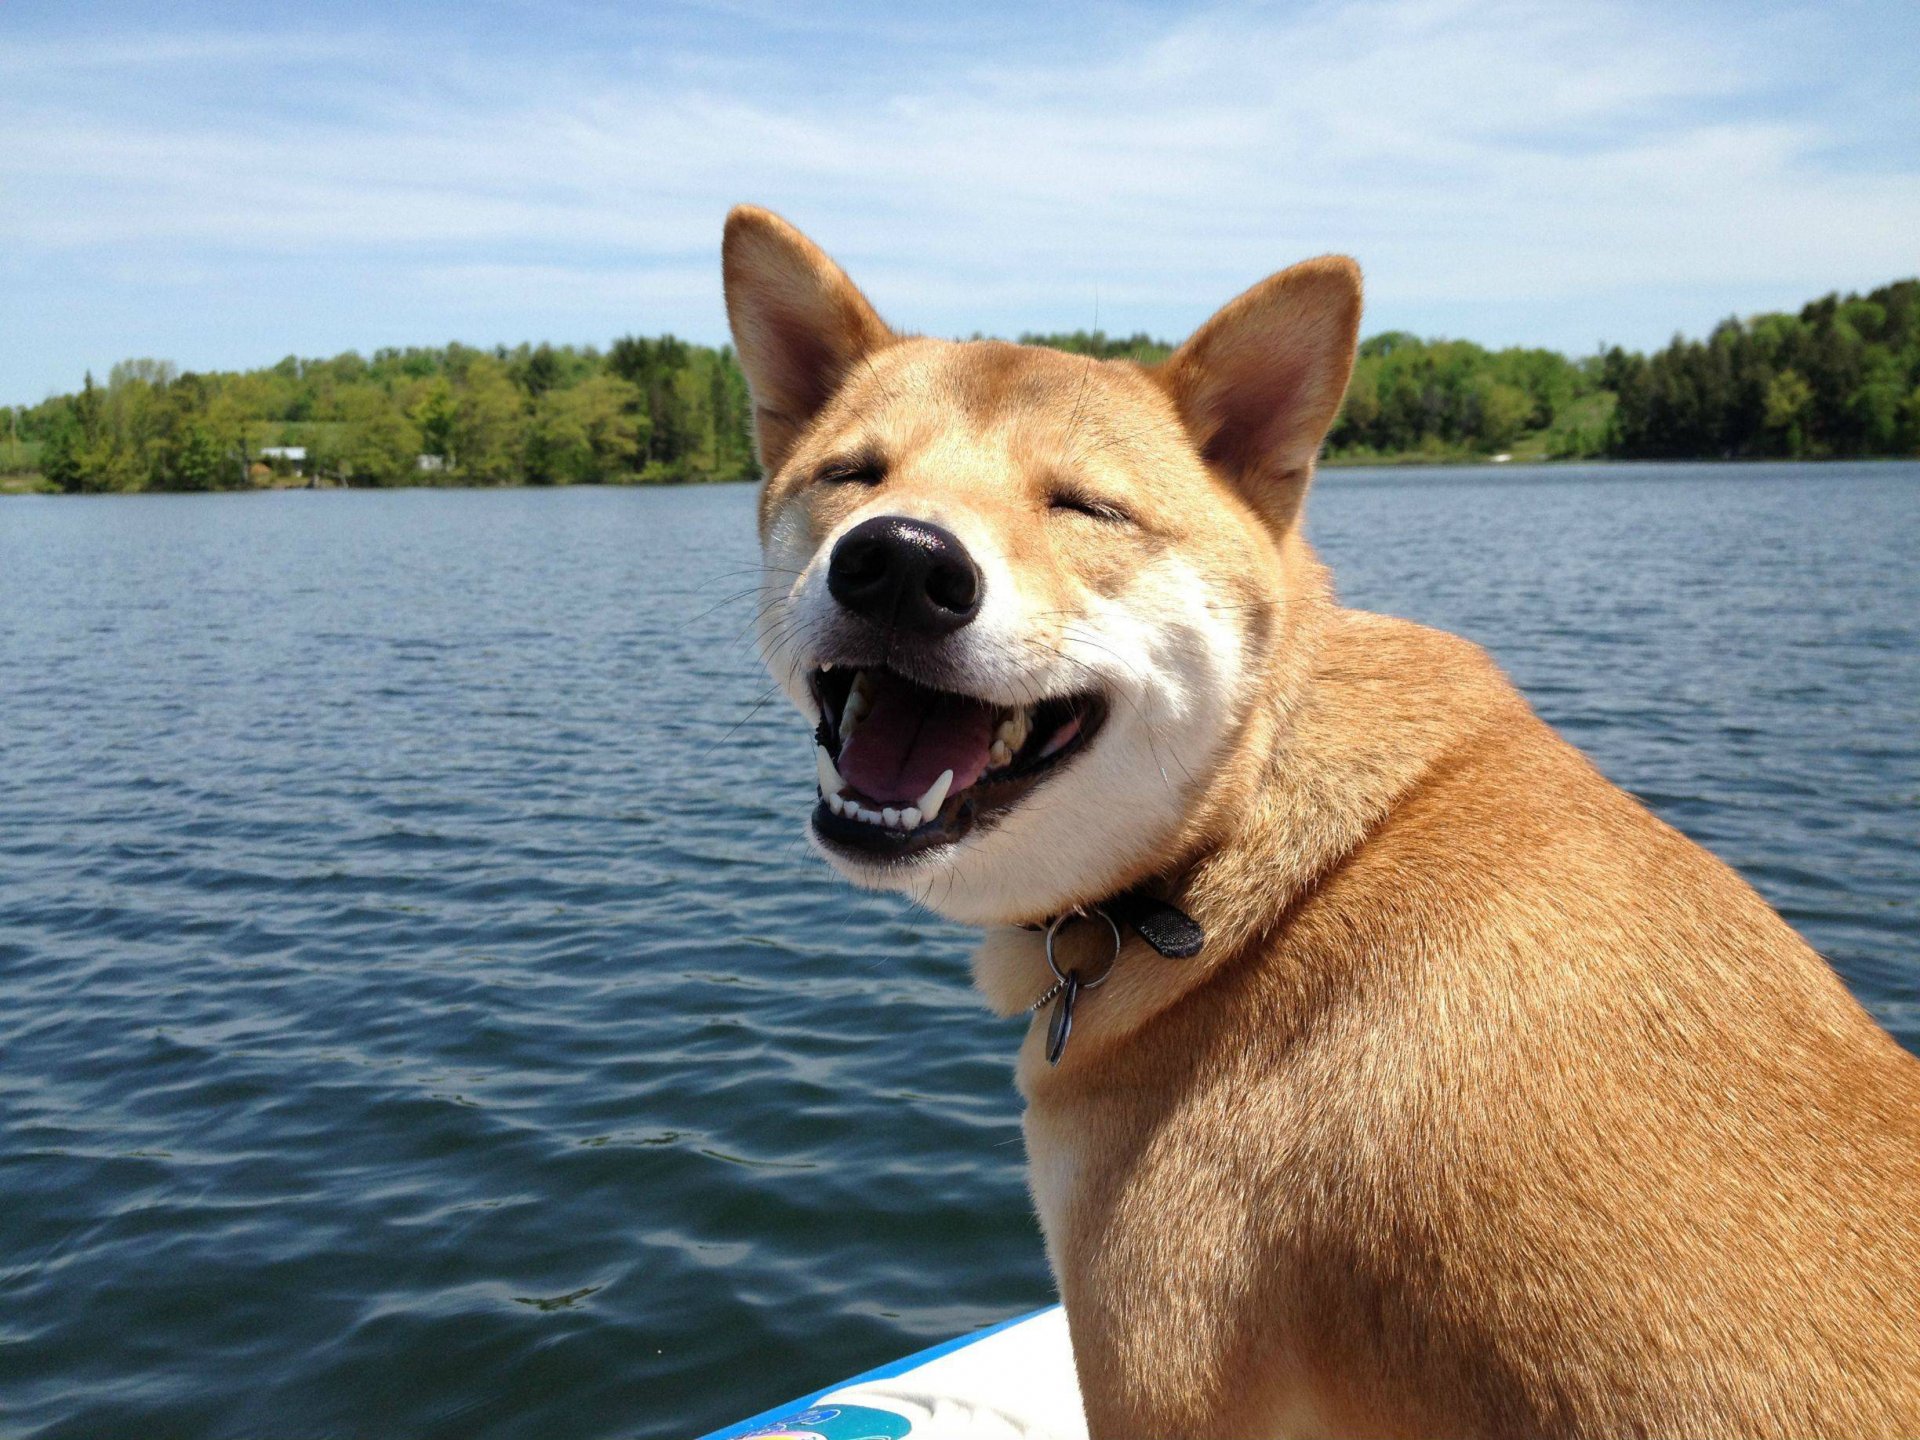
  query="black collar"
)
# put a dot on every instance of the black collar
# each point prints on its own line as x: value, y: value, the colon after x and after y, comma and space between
x: 1167, y: 928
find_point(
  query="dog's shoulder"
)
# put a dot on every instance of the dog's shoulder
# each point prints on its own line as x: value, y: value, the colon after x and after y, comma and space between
x: 1500, y: 830
x: 1374, y: 672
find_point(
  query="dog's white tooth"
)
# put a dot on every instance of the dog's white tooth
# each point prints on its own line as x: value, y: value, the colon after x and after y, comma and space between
x: 1014, y: 730
x: 830, y: 782
x: 836, y: 804
x: 852, y: 712
x: 999, y: 754
x: 929, y: 804
x: 890, y: 817
x: 910, y: 819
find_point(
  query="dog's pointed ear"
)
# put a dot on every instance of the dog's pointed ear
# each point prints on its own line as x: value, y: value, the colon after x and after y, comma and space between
x: 1259, y: 385
x: 799, y: 325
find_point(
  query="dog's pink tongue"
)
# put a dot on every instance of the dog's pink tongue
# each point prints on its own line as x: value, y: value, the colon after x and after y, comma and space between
x: 909, y: 735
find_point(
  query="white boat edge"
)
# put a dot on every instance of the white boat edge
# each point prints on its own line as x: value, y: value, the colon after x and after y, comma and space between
x: 1014, y: 1379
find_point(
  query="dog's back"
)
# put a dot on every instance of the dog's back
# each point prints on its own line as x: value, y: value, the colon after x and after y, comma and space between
x: 1556, y: 1127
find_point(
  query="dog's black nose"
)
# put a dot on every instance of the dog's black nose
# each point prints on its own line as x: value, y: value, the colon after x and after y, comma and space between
x: 905, y: 573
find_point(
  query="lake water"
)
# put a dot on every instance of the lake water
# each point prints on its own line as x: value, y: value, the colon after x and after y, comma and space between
x: 420, y: 1016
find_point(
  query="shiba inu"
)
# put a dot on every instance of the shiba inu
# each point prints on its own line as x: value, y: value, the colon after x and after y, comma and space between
x: 1442, y: 1089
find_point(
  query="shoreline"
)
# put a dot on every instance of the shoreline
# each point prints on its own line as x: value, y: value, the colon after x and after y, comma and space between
x: 15, y: 486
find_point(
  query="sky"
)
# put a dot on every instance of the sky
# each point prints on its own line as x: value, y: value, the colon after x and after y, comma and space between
x: 221, y: 186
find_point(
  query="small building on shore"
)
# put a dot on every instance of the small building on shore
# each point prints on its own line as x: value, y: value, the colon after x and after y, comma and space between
x: 292, y: 459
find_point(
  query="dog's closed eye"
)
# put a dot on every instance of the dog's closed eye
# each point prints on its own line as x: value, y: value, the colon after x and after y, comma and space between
x: 852, y: 470
x: 1079, y: 502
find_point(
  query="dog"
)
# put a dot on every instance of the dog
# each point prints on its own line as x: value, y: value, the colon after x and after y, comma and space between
x: 1390, y: 1071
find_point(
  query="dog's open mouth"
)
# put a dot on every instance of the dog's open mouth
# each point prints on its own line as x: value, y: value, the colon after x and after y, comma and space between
x: 904, y: 767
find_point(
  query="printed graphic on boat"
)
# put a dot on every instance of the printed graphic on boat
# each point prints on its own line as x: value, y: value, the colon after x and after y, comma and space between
x: 834, y: 1422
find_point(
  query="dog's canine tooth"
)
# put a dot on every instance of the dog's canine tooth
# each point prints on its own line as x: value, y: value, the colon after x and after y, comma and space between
x: 836, y: 804
x: 1015, y: 729
x: 929, y: 804
x: 830, y: 782
x: 999, y: 753
x: 855, y: 709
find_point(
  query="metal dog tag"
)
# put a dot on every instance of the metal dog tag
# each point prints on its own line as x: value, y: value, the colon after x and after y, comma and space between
x: 1061, y: 1025
x: 1068, y: 984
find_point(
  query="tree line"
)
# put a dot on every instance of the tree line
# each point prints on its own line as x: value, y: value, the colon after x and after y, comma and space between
x: 644, y: 411
x: 1839, y: 378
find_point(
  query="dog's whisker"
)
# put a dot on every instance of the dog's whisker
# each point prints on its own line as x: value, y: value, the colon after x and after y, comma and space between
x: 761, y: 570
x: 734, y: 598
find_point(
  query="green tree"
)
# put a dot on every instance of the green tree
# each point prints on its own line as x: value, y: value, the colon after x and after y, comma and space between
x: 200, y: 461
x: 436, y: 415
x: 103, y: 458
x: 490, y: 424
x: 654, y: 368
x: 540, y: 371
x: 1141, y: 348
x: 62, y: 452
x: 373, y: 442
x: 200, y: 439
x: 1789, y: 403
x: 585, y: 434
x: 1503, y: 411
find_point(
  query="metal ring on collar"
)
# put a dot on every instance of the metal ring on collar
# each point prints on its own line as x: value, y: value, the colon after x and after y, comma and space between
x: 1060, y: 922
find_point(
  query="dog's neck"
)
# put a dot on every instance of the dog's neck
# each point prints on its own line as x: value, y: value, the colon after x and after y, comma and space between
x: 1334, y: 739
x: 1256, y: 819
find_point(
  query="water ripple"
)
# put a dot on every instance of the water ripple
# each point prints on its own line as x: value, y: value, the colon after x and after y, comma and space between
x: 421, y: 1015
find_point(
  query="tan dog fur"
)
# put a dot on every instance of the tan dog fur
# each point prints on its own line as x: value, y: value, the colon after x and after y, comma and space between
x: 1493, y: 1105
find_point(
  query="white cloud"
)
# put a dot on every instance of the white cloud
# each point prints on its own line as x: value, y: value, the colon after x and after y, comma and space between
x: 1499, y: 153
